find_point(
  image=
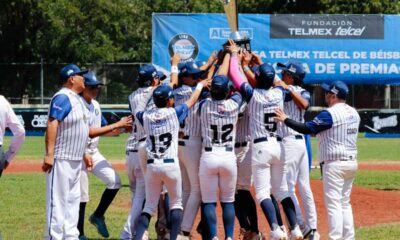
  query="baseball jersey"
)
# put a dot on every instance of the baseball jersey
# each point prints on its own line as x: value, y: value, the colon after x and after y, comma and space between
x: 138, y: 132
x: 191, y: 126
x: 96, y: 120
x: 293, y: 111
x: 68, y: 108
x: 8, y: 119
x: 243, y: 125
x: 218, y: 121
x: 337, y: 130
x: 262, y: 104
x: 162, y: 127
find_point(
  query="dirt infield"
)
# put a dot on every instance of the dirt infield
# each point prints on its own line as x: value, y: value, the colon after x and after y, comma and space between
x: 368, y: 207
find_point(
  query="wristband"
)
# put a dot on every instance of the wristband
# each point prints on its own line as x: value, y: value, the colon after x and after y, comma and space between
x: 199, y: 86
x: 290, y: 89
x: 245, y: 69
x: 174, y: 69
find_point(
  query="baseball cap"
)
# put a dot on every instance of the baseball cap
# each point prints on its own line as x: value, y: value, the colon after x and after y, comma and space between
x: 70, y: 70
x: 91, y: 79
x: 265, y: 75
x: 161, y: 94
x: 189, y: 68
x: 161, y: 75
x: 338, y: 88
x: 294, y: 68
x: 147, y: 72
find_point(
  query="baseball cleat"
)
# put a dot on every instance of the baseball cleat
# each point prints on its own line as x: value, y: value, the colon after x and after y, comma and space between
x: 100, y: 225
x: 296, y: 234
x: 278, y: 234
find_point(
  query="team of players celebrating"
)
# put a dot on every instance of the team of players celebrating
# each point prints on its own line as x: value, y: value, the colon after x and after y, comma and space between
x: 216, y: 129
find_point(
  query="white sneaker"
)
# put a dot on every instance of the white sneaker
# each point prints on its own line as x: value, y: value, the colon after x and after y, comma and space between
x: 278, y: 234
x: 296, y: 234
x: 283, y: 228
x: 305, y: 230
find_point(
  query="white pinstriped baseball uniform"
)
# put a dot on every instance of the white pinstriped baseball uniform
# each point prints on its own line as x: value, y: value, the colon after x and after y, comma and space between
x: 269, y: 171
x: 243, y: 150
x: 189, y: 153
x: 162, y: 127
x: 337, y: 130
x: 218, y: 170
x: 136, y: 159
x: 62, y: 183
x: 101, y: 167
x: 296, y: 158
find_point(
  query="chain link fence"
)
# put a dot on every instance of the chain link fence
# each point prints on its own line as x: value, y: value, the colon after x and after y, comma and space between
x: 21, y: 84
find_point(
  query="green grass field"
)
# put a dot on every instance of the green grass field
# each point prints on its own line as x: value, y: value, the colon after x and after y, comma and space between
x: 369, y: 149
x: 22, y: 203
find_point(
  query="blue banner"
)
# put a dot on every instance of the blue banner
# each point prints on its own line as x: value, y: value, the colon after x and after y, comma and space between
x: 357, y: 49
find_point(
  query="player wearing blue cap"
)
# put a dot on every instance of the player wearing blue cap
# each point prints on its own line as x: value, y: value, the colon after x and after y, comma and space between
x: 67, y: 134
x: 297, y: 100
x: 161, y: 124
x: 218, y: 170
x: 100, y: 167
x: 268, y: 166
x: 336, y: 129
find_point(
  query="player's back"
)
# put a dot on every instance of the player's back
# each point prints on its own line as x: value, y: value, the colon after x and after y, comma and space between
x: 218, y: 121
x: 138, y: 132
x: 162, y: 127
x: 339, y: 141
x: 191, y: 126
x: 261, y: 109
x: 293, y: 111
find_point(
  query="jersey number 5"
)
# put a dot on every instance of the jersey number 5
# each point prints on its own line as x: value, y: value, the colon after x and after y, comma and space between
x: 269, y: 122
x: 164, y: 141
x: 222, y: 136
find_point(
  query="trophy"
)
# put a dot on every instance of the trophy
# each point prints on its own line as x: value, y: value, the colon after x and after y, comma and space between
x: 230, y: 8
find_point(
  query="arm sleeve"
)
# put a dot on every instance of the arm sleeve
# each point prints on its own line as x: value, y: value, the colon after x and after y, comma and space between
x: 297, y: 126
x: 247, y: 91
x: 234, y: 73
x: 18, y: 134
x: 104, y: 121
x: 60, y: 107
x: 321, y: 122
x: 182, y: 112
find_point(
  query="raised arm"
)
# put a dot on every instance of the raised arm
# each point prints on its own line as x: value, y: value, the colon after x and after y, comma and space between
x: 246, y: 69
x: 224, y: 68
x: 196, y: 93
x: 234, y: 72
x: 301, y: 100
x: 175, y: 60
x: 210, y: 61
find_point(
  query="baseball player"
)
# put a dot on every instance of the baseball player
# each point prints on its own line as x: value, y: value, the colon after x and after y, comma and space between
x: 136, y: 157
x: 101, y: 168
x: 189, y: 150
x: 218, y: 170
x: 66, y: 138
x: 336, y: 129
x: 161, y: 125
x: 268, y: 165
x: 297, y: 100
x: 8, y: 119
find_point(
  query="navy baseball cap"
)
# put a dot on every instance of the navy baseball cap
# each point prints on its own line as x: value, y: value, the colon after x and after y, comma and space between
x: 220, y: 82
x: 265, y: 73
x: 91, y: 79
x: 294, y: 68
x: 147, y: 72
x: 338, y: 88
x: 161, y: 94
x: 161, y: 75
x: 70, y: 70
x: 189, y: 68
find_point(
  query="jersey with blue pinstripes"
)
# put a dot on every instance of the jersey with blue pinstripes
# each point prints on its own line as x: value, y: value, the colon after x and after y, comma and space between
x: 162, y: 126
x: 191, y: 125
x: 138, y: 130
x: 261, y: 109
x: 339, y: 141
x: 293, y: 112
x: 218, y: 121
x: 73, y: 130
x: 243, y: 125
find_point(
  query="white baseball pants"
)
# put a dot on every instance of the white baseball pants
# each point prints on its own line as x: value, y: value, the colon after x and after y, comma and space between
x: 62, y: 200
x: 244, y: 173
x: 189, y: 159
x: 298, y: 173
x: 338, y: 179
